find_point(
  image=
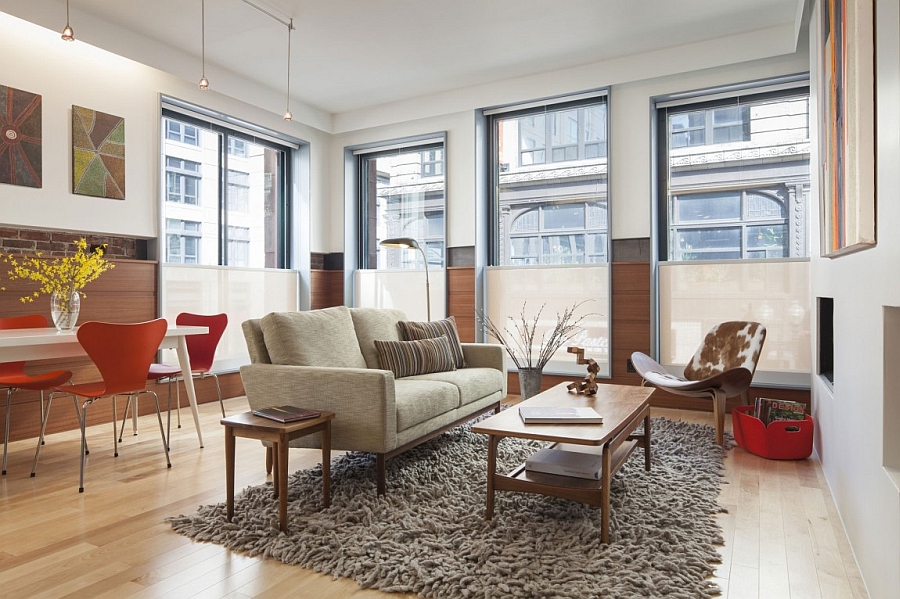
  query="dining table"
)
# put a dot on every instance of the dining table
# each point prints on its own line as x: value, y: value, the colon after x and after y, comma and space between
x: 48, y: 343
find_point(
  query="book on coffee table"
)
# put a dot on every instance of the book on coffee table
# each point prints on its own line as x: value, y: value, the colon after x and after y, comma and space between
x: 550, y: 415
x: 566, y: 463
x: 287, y: 413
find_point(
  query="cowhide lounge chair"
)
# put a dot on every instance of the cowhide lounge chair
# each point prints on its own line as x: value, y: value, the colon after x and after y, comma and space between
x: 723, y: 367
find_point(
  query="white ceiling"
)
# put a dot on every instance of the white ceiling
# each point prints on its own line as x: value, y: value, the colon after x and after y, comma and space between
x: 349, y: 54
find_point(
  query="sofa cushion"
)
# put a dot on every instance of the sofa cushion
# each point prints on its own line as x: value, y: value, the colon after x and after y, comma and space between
x: 372, y: 324
x: 418, y: 401
x: 473, y: 383
x: 315, y: 338
x: 408, y: 358
x: 428, y: 330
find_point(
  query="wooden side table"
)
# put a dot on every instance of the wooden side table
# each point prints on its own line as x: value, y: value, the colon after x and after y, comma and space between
x: 280, y: 435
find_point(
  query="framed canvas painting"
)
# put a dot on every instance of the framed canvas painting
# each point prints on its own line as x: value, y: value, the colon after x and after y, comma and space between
x: 847, y: 125
x: 98, y: 154
x: 20, y: 137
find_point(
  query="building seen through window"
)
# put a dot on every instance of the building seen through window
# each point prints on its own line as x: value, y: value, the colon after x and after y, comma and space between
x: 550, y: 185
x: 402, y: 195
x: 735, y: 179
x: 239, y: 223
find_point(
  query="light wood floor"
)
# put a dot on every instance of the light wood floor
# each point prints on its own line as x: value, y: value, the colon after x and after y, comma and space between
x: 783, y: 538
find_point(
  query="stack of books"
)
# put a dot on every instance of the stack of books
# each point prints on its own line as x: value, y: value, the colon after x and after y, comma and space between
x: 566, y: 463
x: 770, y: 410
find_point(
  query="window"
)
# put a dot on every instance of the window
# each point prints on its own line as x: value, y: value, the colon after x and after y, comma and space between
x: 734, y: 177
x: 548, y: 221
x: 237, y: 147
x: 233, y: 186
x: 182, y: 181
x: 182, y: 132
x: 182, y: 241
x: 549, y: 185
x: 402, y: 195
x: 238, y: 195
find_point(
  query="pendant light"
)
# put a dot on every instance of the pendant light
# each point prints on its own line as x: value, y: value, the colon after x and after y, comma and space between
x: 287, y: 112
x: 204, y: 82
x: 67, y: 33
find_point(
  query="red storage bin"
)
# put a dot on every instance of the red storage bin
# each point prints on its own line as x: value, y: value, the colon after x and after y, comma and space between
x: 774, y: 442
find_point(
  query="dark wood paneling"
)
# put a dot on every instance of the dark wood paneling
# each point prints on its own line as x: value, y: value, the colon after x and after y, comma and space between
x: 461, y: 300
x: 326, y: 288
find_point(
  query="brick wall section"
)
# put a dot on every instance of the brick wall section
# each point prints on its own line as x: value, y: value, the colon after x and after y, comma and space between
x: 14, y: 240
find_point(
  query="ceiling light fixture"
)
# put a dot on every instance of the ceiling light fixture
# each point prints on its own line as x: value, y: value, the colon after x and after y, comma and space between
x: 204, y: 82
x: 67, y: 33
x: 287, y: 111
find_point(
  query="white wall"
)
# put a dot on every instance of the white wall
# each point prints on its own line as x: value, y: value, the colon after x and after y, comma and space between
x: 850, y: 419
x: 36, y: 60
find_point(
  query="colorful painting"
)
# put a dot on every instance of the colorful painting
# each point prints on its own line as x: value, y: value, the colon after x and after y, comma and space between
x: 98, y: 154
x: 20, y: 137
x: 847, y: 127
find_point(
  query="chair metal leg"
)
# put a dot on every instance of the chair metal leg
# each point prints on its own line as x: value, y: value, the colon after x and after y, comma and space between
x: 124, y: 417
x: 178, y: 402
x: 6, y: 432
x: 82, y: 417
x: 134, y: 416
x: 219, y: 391
x: 115, y: 439
x: 169, y: 416
x: 162, y: 432
x: 45, y: 415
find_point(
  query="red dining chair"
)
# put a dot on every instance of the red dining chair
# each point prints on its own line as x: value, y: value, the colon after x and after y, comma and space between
x: 13, y: 377
x: 122, y: 354
x: 201, y: 351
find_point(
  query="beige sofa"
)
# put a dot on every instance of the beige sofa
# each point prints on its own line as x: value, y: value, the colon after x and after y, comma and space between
x: 327, y: 360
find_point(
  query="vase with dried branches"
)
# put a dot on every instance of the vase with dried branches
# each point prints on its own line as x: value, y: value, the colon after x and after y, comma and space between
x: 529, y: 353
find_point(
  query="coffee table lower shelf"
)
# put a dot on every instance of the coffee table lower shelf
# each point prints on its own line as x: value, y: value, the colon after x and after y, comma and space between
x: 585, y: 490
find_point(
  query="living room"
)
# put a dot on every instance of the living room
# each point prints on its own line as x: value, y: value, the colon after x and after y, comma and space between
x: 114, y: 70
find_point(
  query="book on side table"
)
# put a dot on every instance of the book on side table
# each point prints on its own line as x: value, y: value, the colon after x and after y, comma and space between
x: 287, y: 413
x: 550, y: 415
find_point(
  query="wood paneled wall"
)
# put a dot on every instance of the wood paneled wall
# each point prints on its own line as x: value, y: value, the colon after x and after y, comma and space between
x: 461, y: 300
x: 326, y: 288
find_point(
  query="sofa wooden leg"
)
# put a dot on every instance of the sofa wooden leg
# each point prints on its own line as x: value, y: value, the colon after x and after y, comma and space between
x: 268, y: 460
x: 380, y: 473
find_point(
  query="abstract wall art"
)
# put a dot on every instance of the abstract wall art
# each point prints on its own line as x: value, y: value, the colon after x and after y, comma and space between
x: 846, y: 73
x: 98, y: 154
x: 20, y: 137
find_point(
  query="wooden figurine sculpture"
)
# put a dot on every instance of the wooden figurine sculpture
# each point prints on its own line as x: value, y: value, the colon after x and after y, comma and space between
x: 588, y: 386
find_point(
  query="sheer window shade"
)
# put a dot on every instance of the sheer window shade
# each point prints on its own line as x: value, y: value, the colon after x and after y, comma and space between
x: 402, y: 289
x: 694, y: 296
x: 508, y: 289
x: 242, y: 293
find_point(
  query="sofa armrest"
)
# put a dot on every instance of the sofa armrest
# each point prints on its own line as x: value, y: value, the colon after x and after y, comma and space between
x: 363, y: 400
x: 486, y: 355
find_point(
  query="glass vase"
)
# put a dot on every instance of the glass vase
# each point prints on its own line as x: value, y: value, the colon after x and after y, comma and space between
x: 64, y: 308
x: 529, y: 382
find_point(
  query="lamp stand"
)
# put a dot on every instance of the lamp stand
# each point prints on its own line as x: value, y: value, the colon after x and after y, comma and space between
x: 427, y: 285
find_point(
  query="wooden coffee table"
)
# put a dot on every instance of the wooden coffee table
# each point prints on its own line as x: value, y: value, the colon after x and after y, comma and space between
x: 623, y: 409
x: 280, y: 435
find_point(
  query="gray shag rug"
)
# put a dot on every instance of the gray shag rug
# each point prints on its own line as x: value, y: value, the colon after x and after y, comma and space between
x: 428, y: 535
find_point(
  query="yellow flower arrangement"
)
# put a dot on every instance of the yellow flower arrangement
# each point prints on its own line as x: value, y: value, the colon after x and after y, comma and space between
x: 62, y: 276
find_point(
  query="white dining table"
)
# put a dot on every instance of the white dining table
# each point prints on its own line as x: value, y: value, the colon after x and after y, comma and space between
x: 47, y: 343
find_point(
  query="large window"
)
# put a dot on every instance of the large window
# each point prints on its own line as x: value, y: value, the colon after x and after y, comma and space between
x: 548, y: 212
x: 228, y: 189
x: 401, y: 194
x: 732, y: 228
x: 734, y: 177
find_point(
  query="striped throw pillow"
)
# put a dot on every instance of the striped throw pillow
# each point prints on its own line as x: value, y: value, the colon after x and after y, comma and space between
x: 429, y: 330
x: 407, y: 358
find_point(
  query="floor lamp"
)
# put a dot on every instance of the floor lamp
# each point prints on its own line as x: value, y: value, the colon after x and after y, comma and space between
x: 408, y: 243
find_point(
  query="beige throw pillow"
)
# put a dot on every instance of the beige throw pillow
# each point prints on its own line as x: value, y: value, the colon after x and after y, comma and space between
x: 314, y: 338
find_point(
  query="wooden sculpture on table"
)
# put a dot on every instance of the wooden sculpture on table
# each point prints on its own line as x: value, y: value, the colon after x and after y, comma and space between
x: 588, y: 386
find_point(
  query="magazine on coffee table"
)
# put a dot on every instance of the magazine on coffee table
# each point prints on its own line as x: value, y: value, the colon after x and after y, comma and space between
x: 566, y: 463
x: 551, y: 415
x: 287, y: 413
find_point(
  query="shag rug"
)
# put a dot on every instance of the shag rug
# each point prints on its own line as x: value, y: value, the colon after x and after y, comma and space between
x: 428, y: 535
